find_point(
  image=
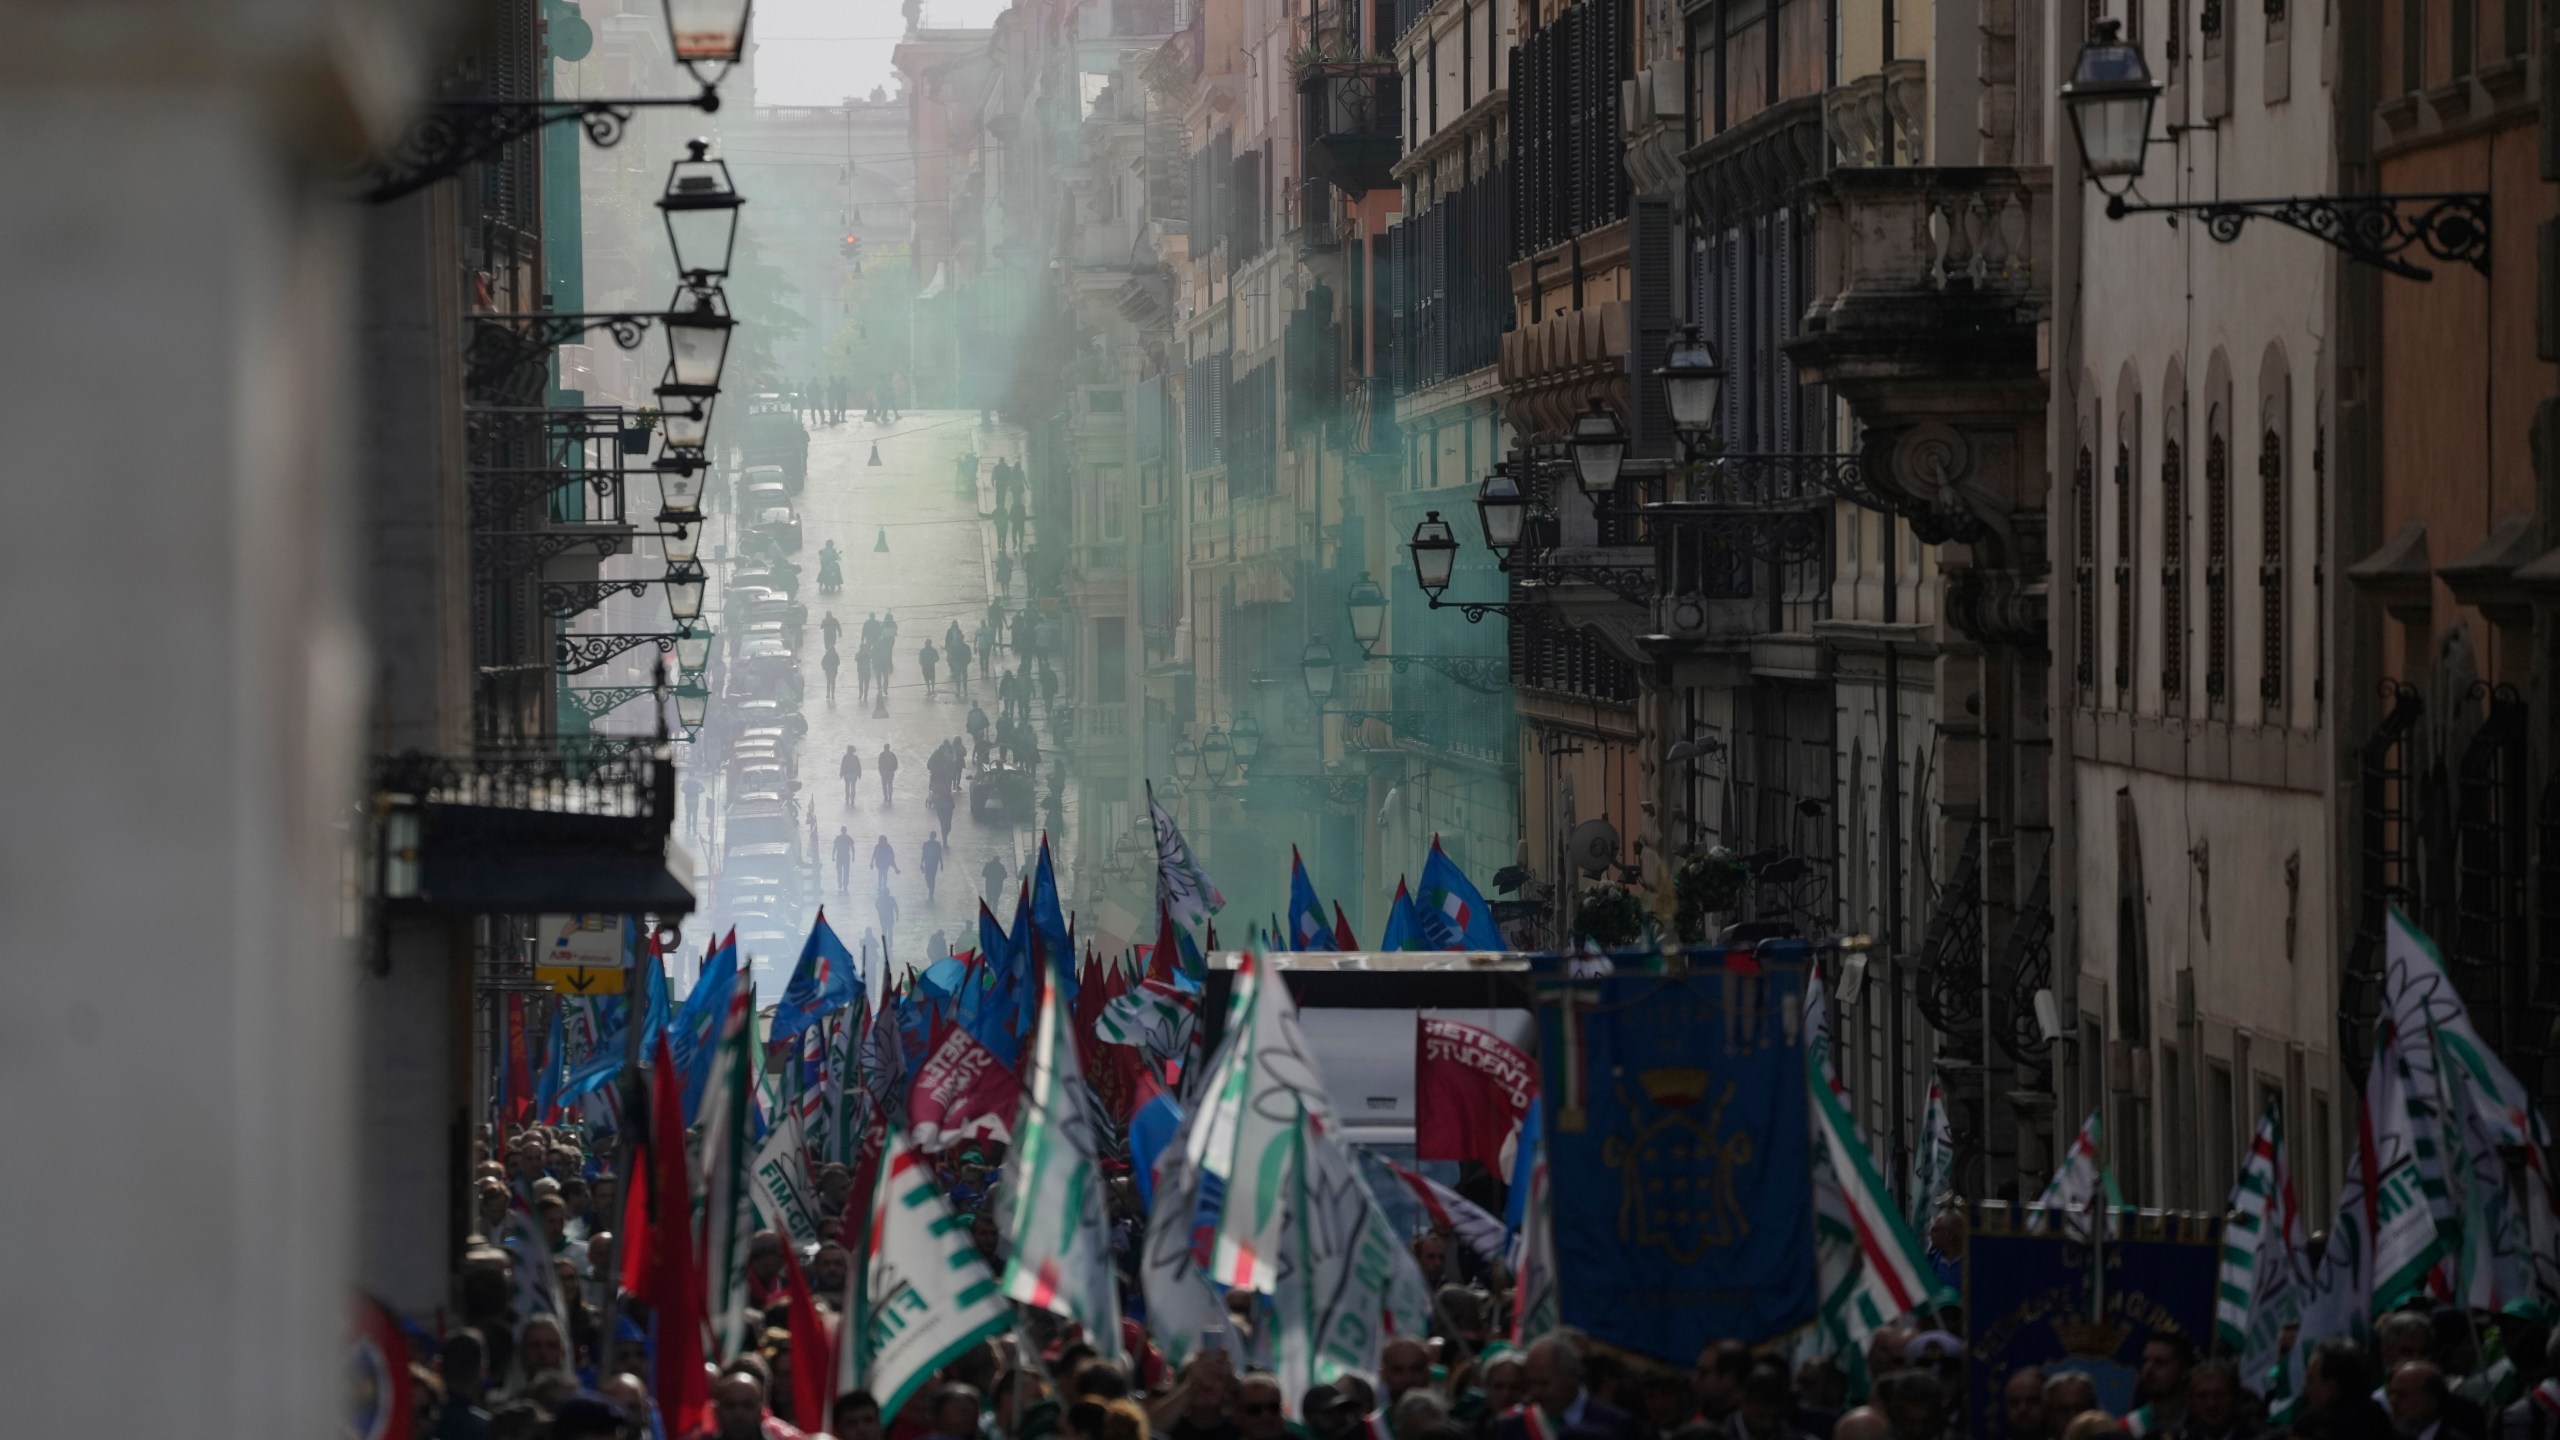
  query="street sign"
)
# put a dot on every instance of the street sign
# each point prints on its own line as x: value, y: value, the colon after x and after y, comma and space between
x: 581, y: 954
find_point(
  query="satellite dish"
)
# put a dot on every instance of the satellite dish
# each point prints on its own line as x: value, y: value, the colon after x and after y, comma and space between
x: 1593, y: 846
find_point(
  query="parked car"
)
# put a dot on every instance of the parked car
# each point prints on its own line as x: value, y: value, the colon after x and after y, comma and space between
x: 1002, y: 792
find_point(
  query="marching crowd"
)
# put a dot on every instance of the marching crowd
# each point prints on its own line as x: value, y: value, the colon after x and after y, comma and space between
x: 2435, y: 1375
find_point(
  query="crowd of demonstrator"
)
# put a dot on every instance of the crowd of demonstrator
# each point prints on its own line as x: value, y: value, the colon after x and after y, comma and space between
x: 496, y: 1376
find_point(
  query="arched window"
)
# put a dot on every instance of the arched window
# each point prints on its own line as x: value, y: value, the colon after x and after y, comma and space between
x: 2124, y: 572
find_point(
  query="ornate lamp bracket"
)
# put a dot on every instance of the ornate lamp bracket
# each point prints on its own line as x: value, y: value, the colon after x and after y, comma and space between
x: 456, y: 133
x: 576, y: 654
x: 1484, y: 674
x: 562, y: 599
x: 2376, y: 230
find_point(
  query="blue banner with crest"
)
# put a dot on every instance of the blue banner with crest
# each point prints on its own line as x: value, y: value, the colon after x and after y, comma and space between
x: 2030, y: 1299
x: 1678, y: 1154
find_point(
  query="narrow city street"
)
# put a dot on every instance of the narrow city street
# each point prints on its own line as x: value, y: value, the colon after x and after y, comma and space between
x: 939, y: 567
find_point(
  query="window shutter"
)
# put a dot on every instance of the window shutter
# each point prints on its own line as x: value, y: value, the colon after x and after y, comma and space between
x: 1649, y: 277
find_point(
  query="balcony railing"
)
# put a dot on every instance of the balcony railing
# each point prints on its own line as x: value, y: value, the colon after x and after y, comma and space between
x: 548, y: 825
x: 1351, y: 123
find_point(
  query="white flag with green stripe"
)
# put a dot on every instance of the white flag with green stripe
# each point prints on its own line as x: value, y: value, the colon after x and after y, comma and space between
x: 2082, y: 1185
x: 728, y: 1172
x: 919, y: 1297
x: 1872, y: 1269
x: 1061, y: 1225
x: 1246, y: 1146
x: 2262, y: 1280
x: 2511, y: 1235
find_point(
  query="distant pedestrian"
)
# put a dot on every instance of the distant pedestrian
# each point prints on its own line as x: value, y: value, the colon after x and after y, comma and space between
x: 1004, y: 572
x: 928, y: 660
x: 884, y: 859
x: 888, y: 767
x: 993, y: 875
x: 932, y: 862
x: 942, y: 804
x: 851, y: 769
x: 844, y: 861
x: 882, y: 544
x: 829, y: 665
x: 956, y: 650
x: 831, y: 627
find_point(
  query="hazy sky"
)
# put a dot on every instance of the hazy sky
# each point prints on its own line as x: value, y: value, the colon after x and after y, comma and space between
x: 817, y: 52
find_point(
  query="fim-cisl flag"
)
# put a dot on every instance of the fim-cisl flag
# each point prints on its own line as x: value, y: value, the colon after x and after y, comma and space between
x: 1061, y: 1229
x: 918, y: 1297
x: 783, y: 1194
x: 1471, y: 1090
x: 1346, y: 1281
x: 1933, y: 1167
x: 1679, y: 1152
x: 2081, y: 1185
x: 728, y: 1172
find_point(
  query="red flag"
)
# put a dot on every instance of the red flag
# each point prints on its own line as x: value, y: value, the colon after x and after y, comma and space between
x: 518, y: 1109
x: 1343, y: 939
x: 380, y: 1373
x: 813, y: 1355
x: 963, y: 1090
x: 1167, y: 952
x: 1471, y: 1091
x: 673, y: 1287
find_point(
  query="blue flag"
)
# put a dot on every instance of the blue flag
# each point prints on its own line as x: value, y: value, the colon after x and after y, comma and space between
x: 1404, y: 923
x: 605, y: 1061
x: 1524, y: 1159
x: 992, y: 1011
x: 1051, y: 920
x: 1679, y: 1153
x: 825, y: 981
x: 1026, y: 985
x: 944, y: 977
x: 915, y: 1036
x: 1308, y: 927
x: 696, y: 1042
x: 1453, y: 911
x: 1151, y: 1128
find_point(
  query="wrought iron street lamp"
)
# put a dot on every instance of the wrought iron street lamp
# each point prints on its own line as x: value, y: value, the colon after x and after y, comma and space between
x: 1367, y: 605
x: 693, y: 705
x: 1321, y: 673
x: 1599, y: 448
x: 701, y: 207
x: 1186, y: 760
x: 1248, y: 738
x: 1693, y: 383
x: 693, y: 651
x: 686, y: 419
x: 2110, y: 97
x: 698, y: 326
x: 681, y: 544
x: 1502, y: 511
x: 680, y: 496
x: 708, y: 36
x: 684, y: 585
x: 1217, y: 756
x: 1435, y: 553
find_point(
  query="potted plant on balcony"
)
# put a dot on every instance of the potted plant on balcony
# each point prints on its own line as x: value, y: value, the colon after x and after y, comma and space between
x: 1709, y: 881
x: 1610, y: 916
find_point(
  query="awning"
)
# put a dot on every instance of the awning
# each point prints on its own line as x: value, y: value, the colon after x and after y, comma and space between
x: 476, y: 861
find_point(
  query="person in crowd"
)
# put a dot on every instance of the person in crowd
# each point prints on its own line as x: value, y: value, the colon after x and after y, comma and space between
x: 1257, y: 1407
x: 1418, y: 1413
x: 2066, y: 1394
x: 1566, y: 1407
x: 850, y: 767
x: 1715, y: 1381
x: 2337, y: 1393
x: 1767, y: 1405
x: 931, y: 860
x: 2537, y: 1415
x: 887, y: 765
x: 844, y: 859
x: 1404, y: 1366
x: 1914, y: 1403
x: 2022, y: 1408
x: 461, y: 1364
x: 1864, y: 1423
x: 2091, y: 1425
x: 855, y: 1416
x: 2420, y: 1401
x: 2160, y: 1386
x: 2214, y: 1396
